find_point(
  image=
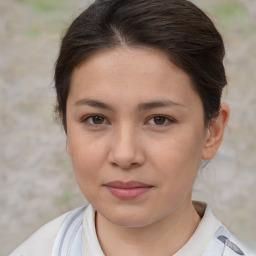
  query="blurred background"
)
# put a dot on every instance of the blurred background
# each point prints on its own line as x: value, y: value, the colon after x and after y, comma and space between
x: 36, y: 179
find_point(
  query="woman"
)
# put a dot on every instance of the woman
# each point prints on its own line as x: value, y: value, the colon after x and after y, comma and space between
x: 139, y: 85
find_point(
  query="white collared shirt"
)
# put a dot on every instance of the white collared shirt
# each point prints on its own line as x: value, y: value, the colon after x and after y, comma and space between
x: 75, y: 233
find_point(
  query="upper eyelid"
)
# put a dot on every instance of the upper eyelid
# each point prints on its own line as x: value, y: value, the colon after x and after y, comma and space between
x: 165, y: 116
x: 86, y: 117
x: 91, y: 115
x: 170, y: 121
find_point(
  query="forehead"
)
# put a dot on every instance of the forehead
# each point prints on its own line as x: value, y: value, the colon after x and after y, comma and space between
x: 130, y: 73
x: 127, y: 56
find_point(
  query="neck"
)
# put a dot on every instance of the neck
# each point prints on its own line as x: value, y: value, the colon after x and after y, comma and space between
x: 164, y: 237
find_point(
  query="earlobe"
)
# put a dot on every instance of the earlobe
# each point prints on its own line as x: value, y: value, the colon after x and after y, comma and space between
x: 215, y: 133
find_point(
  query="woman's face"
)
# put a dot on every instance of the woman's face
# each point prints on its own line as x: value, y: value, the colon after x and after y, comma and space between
x: 135, y: 134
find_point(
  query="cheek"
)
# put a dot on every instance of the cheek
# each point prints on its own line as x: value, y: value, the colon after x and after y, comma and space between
x: 86, y: 166
x: 177, y: 165
x: 87, y: 158
x: 178, y: 157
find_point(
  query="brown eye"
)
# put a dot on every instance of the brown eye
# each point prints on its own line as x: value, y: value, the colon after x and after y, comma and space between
x: 159, y: 120
x: 97, y: 119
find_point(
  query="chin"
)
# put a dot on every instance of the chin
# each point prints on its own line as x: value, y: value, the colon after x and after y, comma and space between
x: 128, y: 218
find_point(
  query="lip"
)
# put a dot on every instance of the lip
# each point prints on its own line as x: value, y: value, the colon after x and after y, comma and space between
x: 127, y: 190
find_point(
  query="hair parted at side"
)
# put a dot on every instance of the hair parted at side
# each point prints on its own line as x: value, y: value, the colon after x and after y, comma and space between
x: 177, y: 27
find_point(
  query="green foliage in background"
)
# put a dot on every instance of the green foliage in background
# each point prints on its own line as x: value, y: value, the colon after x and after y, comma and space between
x: 232, y: 15
x: 47, y: 16
x: 34, y: 31
x: 65, y: 198
x: 44, y: 5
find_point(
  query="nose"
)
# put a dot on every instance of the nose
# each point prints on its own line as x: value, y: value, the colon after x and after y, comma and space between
x: 126, y: 149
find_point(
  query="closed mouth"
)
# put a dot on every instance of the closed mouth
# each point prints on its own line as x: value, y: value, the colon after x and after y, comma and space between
x: 127, y: 190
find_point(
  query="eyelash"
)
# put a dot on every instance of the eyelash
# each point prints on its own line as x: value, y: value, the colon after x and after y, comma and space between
x: 167, y: 119
x: 86, y: 119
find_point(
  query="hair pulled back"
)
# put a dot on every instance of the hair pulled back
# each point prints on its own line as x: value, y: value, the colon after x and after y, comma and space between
x: 177, y: 27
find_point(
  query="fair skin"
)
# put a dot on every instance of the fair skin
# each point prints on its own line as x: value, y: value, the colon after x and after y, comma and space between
x: 132, y: 115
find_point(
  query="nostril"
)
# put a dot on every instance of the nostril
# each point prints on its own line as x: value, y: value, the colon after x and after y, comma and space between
x: 125, y: 152
x: 127, y: 164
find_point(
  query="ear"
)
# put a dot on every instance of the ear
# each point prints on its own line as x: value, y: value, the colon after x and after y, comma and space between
x: 214, y: 133
x: 68, y: 147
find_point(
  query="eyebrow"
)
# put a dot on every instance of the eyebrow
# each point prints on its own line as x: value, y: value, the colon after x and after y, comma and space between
x: 141, y: 106
x: 159, y: 104
x: 93, y: 103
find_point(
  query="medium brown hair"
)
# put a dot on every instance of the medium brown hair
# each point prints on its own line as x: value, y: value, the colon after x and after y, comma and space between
x: 176, y: 27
